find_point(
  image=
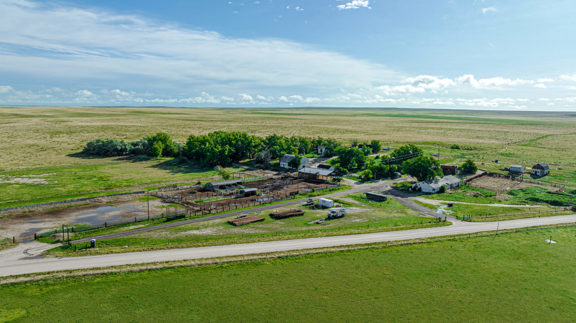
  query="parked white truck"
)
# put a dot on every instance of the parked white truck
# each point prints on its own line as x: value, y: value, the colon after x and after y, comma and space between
x: 336, y: 213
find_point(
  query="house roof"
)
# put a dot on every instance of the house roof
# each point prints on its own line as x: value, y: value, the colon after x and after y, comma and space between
x: 543, y: 166
x: 316, y: 171
x: 449, y: 166
x: 287, y: 158
x: 325, y: 166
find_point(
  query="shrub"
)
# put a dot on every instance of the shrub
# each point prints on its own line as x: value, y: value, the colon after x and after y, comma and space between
x: 469, y: 167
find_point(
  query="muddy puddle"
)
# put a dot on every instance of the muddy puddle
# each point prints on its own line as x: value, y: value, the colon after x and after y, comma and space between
x: 26, y: 225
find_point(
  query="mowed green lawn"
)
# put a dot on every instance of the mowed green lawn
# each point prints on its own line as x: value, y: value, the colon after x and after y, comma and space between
x: 509, y: 277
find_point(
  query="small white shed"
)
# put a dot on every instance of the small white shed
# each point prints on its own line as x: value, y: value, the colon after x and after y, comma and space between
x: 325, y: 203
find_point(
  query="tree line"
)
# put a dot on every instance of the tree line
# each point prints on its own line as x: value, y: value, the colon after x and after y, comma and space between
x: 222, y: 148
x: 216, y: 148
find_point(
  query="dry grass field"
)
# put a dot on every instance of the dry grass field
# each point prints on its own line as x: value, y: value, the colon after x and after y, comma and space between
x: 45, y: 137
x: 40, y: 142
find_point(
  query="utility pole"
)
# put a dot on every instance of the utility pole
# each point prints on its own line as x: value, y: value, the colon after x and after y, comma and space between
x: 148, y: 200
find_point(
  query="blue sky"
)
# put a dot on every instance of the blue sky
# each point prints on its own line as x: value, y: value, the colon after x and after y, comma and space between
x: 475, y: 54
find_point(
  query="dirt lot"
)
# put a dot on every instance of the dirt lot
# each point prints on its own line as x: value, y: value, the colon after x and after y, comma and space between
x: 23, y: 226
x: 498, y: 184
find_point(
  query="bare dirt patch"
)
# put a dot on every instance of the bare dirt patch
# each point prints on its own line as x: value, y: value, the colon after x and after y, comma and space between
x: 25, y: 225
x: 499, y: 185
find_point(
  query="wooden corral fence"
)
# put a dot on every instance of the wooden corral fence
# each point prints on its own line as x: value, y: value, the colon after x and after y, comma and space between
x: 182, y: 211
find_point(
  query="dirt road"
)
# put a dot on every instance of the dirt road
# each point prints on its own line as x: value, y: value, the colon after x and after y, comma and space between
x: 27, y: 261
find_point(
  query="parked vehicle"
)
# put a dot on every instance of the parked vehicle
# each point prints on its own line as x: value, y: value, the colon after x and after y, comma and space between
x: 336, y: 213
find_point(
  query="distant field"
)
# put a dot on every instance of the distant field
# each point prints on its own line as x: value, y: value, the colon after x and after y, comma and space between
x: 39, y: 141
x: 509, y: 277
x: 45, y: 137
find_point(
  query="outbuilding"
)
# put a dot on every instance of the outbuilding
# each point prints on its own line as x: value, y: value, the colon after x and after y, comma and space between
x: 316, y: 174
x: 449, y: 169
x: 540, y: 169
x: 516, y: 169
x: 246, y: 192
x: 325, y: 203
x: 376, y: 197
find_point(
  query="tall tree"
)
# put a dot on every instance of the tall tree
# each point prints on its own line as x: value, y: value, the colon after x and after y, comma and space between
x: 422, y: 167
x: 469, y: 167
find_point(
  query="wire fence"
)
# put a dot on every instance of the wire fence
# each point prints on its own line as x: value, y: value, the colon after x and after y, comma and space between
x: 539, y: 212
x: 172, y: 213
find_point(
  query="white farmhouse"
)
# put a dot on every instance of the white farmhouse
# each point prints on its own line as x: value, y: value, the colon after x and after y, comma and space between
x: 285, y: 161
x: 433, y: 186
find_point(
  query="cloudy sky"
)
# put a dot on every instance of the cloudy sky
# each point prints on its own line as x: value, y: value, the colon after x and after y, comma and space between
x: 476, y: 54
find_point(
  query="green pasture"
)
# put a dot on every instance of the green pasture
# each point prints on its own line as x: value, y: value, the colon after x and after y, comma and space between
x: 497, y: 278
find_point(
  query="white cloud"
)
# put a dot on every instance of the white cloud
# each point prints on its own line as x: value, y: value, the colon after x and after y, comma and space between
x: 68, y: 44
x: 489, y: 9
x: 130, y: 60
x: 569, y: 78
x: 84, y: 93
x: 6, y: 89
x: 355, y: 4
x: 491, y: 83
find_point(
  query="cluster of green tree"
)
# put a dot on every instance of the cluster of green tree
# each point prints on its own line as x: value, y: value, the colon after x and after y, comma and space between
x: 422, y: 167
x: 378, y: 171
x: 224, y: 148
x: 113, y: 147
x: 468, y: 167
x: 368, y: 148
x: 352, y: 158
x: 161, y: 145
x: 216, y: 148
x: 156, y: 146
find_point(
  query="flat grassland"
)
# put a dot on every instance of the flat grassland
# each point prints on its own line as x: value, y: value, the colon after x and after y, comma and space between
x: 506, y: 277
x: 41, y: 143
